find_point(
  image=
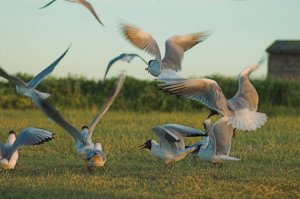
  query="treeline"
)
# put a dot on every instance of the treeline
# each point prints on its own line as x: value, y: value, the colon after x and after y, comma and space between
x: 141, y: 95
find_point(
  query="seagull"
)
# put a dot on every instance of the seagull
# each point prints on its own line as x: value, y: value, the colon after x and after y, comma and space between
x: 92, y: 152
x: 125, y: 57
x: 212, y: 149
x: 241, y: 109
x: 28, y: 136
x: 167, y: 67
x: 82, y: 2
x: 171, y: 147
x: 28, y: 88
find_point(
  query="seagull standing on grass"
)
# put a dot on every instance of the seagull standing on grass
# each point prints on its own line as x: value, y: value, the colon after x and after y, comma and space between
x: 216, y: 146
x: 125, y: 57
x: 93, y: 153
x: 167, y: 67
x: 82, y: 2
x: 171, y: 147
x: 29, y: 136
x: 28, y: 88
x: 240, y: 110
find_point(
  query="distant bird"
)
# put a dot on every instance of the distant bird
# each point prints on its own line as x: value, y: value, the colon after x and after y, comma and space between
x: 167, y: 67
x: 126, y: 57
x: 93, y: 153
x: 28, y: 88
x: 82, y: 2
x: 241, y: 109
x: 209, y: 149
x: 171, y: 147
x: 29, y: 136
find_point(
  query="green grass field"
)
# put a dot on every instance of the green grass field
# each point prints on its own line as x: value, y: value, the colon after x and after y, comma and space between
x: 270, y: 165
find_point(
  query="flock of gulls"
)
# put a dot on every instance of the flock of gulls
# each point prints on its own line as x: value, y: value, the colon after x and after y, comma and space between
x: 237, y: 113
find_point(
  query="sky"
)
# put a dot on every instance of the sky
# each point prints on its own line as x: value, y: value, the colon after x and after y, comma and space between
x: 32, y: 38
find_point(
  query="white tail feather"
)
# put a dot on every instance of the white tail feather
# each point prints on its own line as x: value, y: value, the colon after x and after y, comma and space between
x: 168, y: 75
x: 247, y: 120
x: 40, y: 94
x: 228, y: 158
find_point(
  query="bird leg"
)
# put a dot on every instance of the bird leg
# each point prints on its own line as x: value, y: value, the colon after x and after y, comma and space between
x: 234, y: 132
x: 89, y: 169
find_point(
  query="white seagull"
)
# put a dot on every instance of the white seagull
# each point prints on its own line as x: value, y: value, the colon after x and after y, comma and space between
x: 29, y: 136
x: 171, y: 147
x: 211, y: 148
x: 241, y: 109
x: 167, y: 67
x: 82, y: 2
x: 125, y: 57
x: 28, y: 88
x: 93, y: 153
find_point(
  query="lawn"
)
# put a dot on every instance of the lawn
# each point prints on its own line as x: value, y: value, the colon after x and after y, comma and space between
x: 270, y: 165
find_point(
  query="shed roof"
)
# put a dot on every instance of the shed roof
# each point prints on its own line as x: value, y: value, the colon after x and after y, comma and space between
x: 285, y: 47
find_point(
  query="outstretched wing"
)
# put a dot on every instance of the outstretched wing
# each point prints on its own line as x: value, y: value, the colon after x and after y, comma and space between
x: 167, y: 139
x: 177, y: 45
x: 91, y: 9
x: 204, y: 90
x: 38, y: 78
x: 141, y: 39
x: 29, y: 136
x: 122, y: 57
x: 17, y: 81
x: 107, y: 103
x: 47, y: 4
x: 136, y: 55
x: 184, y: 131
x: 53, y: 114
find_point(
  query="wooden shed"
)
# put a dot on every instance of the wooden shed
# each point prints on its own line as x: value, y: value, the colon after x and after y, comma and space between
x: 284, y: 59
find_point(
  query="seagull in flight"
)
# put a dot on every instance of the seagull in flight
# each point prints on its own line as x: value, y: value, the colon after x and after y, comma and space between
x: 82, y: 2
x: 240, y: 110
x: 176, y: 46
x: 28, y: 136
x: 28, y: 88
x: 125, y: 57
x: 92, y: 152
x: 171, y: 147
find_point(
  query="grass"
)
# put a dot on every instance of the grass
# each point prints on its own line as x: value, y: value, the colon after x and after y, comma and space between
x: 270, y: 166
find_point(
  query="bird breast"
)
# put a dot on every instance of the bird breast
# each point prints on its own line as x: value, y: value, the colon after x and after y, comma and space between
x: 154, y: 68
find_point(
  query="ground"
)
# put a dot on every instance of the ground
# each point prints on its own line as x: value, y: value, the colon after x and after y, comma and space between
x: 270, y: 165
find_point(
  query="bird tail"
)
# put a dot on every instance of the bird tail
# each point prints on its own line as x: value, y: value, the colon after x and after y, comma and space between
x: 40, y: 94
x: 228, y: 158
x: 247, y: 120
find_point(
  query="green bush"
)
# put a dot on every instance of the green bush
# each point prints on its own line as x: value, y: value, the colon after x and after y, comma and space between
x: 141, y: 95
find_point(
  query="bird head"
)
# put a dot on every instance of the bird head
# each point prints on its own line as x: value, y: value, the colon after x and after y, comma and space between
x: 146, y: 145
x: 153, y: 68
x: 12, y: 136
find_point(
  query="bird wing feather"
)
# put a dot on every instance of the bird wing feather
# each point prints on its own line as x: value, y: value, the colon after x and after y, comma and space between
x: 141, y: 39
x: 54, y: 115
x: 108, y: 102
x: 29, y: 136
x: 38, y: 78
x: 204, y: 90
x: 177, y: 45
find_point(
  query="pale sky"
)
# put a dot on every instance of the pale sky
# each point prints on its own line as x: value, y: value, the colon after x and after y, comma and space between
x: 31, y: 38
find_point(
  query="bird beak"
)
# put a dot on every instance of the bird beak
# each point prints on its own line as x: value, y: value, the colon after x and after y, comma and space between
x: 142, y: 146
x: 147, y: 68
